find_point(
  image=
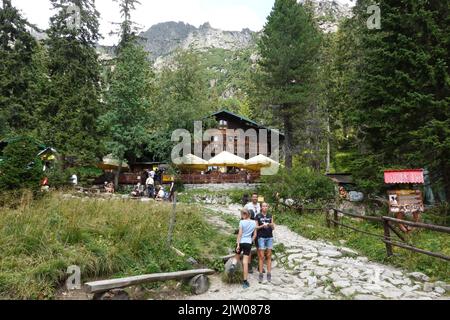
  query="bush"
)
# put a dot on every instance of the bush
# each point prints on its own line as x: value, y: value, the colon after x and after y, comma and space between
x: 21, y: 168
x: 86, y: 175
x: 439, y: 214
x: 298, y: 184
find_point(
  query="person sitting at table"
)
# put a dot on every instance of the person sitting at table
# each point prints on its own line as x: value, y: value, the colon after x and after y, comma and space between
x: 138, y: 190
x: 161, y: 194
x: 109, y: 187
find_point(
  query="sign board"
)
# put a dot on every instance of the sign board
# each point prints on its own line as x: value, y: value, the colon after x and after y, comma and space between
x: 168, y: 178
x: 406, y: 201
x: 261, y: 199
x: 410, y: 176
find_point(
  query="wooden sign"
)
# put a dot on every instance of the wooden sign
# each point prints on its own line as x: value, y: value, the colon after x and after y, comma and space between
x: 406, y: 201
x: 168, y: 178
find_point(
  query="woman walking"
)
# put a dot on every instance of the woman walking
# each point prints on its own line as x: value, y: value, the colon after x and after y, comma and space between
x: 245, y: 238
x: 265, y: 227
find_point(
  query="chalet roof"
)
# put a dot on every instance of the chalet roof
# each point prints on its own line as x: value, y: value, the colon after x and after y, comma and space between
x: 409, y: 176
x: 243, y: 119
x: 341, y: 178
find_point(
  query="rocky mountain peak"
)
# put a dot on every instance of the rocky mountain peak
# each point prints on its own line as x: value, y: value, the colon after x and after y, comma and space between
x: 164, y: 38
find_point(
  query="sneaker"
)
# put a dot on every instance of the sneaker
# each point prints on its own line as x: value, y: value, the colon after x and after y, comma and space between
x: 261, y: 278
x: 269, y: 277
x: 246, y: 285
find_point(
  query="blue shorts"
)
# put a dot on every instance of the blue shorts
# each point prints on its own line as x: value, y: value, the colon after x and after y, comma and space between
x: 265, y: 243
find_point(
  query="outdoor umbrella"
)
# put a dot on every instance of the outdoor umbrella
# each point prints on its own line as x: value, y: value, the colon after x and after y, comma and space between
x: 110, y: 163
x: 227, y: 159
x: 191, y: 161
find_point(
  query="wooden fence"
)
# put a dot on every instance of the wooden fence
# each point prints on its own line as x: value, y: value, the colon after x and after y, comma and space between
x: 332, y: 220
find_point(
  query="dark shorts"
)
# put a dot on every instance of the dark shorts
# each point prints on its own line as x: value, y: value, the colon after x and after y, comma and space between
x: 245, y: 248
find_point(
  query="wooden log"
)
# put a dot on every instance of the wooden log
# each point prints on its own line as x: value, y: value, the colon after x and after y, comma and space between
x: 199, y: 284
x: 106, y: 285
x: 429, y: 253
x: 387, y: 237
x: 419, y: 225
x: 397, y: 232
x: 371, y: 218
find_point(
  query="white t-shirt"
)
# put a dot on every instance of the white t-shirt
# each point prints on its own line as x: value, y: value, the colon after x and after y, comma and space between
x: 150, y: 181
x: 256, y: 208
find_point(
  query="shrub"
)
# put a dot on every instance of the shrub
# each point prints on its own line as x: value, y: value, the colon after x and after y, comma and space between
x: 21, y: 168
x: 298, y: 184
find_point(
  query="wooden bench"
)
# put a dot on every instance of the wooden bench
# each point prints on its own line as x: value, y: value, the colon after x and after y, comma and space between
x: 107, y: 285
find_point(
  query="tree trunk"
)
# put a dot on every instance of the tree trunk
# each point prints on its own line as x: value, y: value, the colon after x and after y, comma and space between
x: 328, y: 146
x: 288, y: 128
x: 117, y: 175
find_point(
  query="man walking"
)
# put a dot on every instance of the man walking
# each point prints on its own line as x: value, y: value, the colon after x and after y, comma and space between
x: 150, y: 184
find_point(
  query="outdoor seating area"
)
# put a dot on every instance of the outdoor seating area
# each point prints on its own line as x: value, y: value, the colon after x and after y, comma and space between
x: 223, y: 168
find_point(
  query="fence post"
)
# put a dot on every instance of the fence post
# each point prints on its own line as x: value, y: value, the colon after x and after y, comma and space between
x: 327, y: 218
x: 173, y: 220
x: 387, y: 237
x: 336, y: 218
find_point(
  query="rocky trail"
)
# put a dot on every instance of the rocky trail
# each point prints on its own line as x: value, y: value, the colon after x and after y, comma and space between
x: 318, y: 270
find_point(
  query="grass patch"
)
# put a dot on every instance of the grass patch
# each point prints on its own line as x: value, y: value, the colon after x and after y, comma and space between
x: 106, y: 239
x: 313, y: 226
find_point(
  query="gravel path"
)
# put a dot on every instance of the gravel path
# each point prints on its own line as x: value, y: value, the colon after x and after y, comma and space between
x: 311, y: 270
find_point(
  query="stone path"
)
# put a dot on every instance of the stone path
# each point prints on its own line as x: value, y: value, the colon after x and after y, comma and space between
x: 311, y: 270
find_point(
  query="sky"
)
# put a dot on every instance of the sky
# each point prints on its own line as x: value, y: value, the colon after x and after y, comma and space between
x: 228, y: 15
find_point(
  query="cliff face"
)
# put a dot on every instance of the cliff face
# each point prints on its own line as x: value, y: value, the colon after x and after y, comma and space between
x: 164, y: 38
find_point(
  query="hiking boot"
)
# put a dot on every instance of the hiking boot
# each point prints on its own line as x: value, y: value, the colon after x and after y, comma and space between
x: 261, y: 278
x: 269, y: 277
x: 245, y: 284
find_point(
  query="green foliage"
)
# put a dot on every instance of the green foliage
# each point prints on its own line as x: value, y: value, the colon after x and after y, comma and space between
x: 106, y: 239
x: 57, y: 177
x: 68, y: 121
x: 399, y: 88
x: 21, y: 168
x: 439, y: 214
x: 181, y: 99
x: 289, y: 48
x: 300, y: 184
x: 128, y: 102
x: 19, y: 73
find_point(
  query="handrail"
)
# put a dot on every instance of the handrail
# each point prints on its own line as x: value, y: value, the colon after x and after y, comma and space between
x: 386, y: 238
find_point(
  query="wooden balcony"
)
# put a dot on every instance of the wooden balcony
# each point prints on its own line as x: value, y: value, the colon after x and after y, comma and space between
x: 219, y: 178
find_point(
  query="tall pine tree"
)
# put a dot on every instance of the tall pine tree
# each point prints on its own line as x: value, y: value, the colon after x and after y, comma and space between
x: 289, y: 48
x: 18, y: 73
x: 70, y: 117
x: 402, y: 108
x: 128, y: 99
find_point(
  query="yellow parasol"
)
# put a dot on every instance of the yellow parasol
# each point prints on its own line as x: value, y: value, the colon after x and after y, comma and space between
x: 110, y: 163
x: 192, y: 162
x: 227, y: 159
